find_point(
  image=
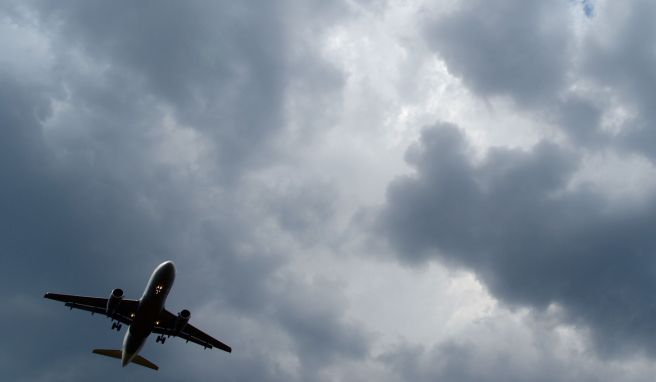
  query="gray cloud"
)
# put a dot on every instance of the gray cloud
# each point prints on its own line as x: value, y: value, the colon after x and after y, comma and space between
x: 531, y: 240
x: 511, y: 48
x: 88, y: 203
x: 158, y: 131
x: 531, y: 53
x: 464, y: 361
x: 618, y: 58
x: 218, y: 66
x: 514, y: 219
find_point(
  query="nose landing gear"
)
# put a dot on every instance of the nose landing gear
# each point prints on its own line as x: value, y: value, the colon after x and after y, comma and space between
x: 161, y: 339
x: 116, y: 326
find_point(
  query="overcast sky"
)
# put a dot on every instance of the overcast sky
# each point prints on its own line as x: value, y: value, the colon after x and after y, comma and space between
x: 351, y: 191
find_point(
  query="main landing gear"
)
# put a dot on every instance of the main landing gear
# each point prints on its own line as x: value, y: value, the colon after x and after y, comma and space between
x: 161, y: 339
x: 116, y: 326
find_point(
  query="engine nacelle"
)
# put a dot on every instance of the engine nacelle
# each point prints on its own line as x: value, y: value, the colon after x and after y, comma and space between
x: 181, y: 320
x: 114, y: 301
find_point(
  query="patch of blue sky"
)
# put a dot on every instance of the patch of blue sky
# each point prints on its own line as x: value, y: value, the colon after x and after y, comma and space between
x: 588, y: 7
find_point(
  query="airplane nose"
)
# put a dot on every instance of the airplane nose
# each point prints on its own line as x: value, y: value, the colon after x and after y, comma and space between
x: 167, y: 267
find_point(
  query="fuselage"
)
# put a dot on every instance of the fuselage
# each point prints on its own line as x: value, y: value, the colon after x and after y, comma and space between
x: 151, y: 305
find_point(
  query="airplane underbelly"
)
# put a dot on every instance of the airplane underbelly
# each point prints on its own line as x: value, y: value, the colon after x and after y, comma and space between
x: 146, y: 317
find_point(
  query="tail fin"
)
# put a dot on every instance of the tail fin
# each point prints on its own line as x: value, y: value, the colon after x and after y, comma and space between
x: 139, y: 360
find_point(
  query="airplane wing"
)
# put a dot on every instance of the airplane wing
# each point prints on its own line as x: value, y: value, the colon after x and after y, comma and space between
x: 189, y: 332
x: 124, y: 312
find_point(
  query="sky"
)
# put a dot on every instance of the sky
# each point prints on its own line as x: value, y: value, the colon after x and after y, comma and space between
x: 411, y: 190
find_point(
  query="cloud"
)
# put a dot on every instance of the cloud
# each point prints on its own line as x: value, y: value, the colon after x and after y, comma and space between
x: 131, y: 146
x: 589, y: 77
x: 531, y: 239
x: 615, y: 57
x: 220, y: 69
x: 504, y: 350
x: 521, y: 219
x: 248, y: 142
x: 508, y: 48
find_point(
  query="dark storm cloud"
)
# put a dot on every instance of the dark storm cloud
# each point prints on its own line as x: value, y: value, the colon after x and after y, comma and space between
x: 218, y: 65
x: 512, y: 48
x: 581, y: 118
x: 53, y: 232
x: 523, y: 50
x: 530, y: 239
x: 465, y: 362
x: 306, y: 210
x: 513, y: 219
x: 80, y: 226
x: 621, y: 60
x: 529, y: 51
x: 321, y: 334
x: 87, y: 205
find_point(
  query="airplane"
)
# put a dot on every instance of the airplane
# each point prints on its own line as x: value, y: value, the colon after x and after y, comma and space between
x: 144, y: 316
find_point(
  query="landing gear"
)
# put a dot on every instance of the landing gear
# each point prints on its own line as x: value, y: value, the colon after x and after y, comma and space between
x: 161, y: 339
x: 116, y: 326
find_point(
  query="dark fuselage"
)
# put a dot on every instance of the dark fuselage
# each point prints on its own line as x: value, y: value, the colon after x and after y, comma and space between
x: 151, y: 305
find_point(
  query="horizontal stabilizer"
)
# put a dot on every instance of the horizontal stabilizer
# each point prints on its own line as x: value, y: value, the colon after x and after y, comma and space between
x: 139, y: 360
x: 109, y: 352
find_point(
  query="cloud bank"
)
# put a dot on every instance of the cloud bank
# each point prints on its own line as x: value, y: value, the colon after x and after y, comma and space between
x: 350, y: 191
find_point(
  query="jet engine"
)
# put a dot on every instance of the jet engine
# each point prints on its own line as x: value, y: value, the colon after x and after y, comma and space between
x: 181, y: 320
x: 113, y: 301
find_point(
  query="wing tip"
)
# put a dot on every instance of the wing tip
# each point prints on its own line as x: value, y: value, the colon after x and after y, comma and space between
x: 225, y: 348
